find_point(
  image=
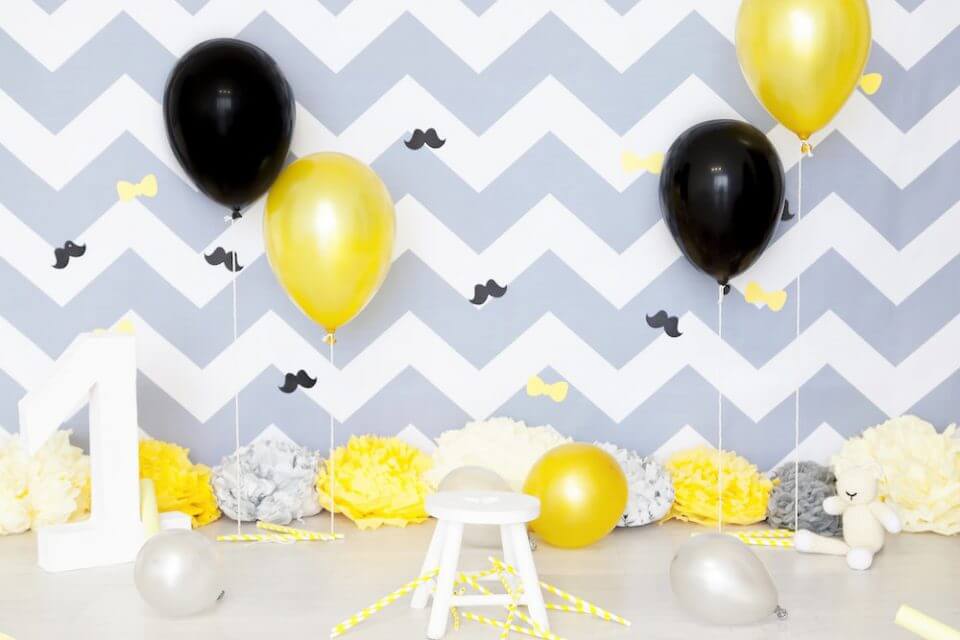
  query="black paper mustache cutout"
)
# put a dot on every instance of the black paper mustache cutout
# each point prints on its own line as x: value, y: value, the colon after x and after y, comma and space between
x: 490, y: 290
x: 69, y: 250
x: 670, y: 324
x: 227, y: 258
x: 420, y: 138
x: 299, y: 379
x: 786, y: 216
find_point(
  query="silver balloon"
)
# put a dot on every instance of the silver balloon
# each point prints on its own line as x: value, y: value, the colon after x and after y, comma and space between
x: 472, y: 478
x: 721, y: 581
x: 179, y: 572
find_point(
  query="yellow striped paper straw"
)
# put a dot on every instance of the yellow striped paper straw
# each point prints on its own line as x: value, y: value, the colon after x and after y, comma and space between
x: 380, y: 604
x: 471, y: 579
x: 512, y: 607
x: 257, y: 537
x: 583, y: 605
x: 301, y: 534
x: 469, y: 615
x: 781, y: 543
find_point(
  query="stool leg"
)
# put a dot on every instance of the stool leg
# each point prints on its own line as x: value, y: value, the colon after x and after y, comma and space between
x: 449, y: 557
x: 528, y: 575
x: 509, y: 557
x: 430, y: 562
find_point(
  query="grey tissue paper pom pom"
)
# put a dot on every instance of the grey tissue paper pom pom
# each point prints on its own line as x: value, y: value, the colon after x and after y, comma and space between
x: 650, y: 489
x: 277, y: 481
x: 816, y: 484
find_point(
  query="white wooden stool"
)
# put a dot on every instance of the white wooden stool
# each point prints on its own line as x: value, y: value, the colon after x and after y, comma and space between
x: 453, y: 510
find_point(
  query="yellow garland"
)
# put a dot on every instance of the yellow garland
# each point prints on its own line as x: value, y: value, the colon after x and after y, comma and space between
x: 694, y: 473
x: 379, y: 481
x: 180, y: 484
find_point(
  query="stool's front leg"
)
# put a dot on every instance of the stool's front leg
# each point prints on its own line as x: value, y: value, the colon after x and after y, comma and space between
x: 449, y: 557
x: 528, y: 575
x: 430, y: 562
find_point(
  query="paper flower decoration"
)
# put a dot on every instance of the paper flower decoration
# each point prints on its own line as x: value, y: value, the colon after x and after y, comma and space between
x: 180, y: 484
x: 277, y: 482
x: 695, y: 471
x: 378, y: 481
x: 650, y: 492
x: 817, y: 483
x: 52, y: 487
x: 505, y: 446
x: 921, y: 470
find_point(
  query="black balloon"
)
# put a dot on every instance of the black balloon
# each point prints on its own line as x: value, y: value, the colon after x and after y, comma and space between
x: 721, y: 193
x: 229, y: 114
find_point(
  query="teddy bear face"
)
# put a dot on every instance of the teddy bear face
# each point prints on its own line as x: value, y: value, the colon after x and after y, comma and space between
x: 857, y: 486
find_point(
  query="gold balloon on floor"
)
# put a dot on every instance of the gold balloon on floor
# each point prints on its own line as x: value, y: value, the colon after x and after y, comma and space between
x: 582, y: 492
x: 328, y: 229
x: 803, y: 58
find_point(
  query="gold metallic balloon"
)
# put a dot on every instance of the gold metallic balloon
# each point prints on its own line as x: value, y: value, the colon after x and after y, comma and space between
x: 582, y: 492
x: 328, y: 229
x: 803, y: 58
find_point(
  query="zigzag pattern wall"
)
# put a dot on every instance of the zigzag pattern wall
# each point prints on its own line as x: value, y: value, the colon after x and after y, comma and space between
x: 535, y: 102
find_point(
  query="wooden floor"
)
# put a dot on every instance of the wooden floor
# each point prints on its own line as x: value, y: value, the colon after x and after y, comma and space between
x: 300, y: 590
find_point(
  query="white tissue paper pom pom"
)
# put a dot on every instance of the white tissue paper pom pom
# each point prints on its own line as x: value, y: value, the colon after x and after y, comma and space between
x: 277, y: 482
x: 650, y: 492
x: 505, y: 446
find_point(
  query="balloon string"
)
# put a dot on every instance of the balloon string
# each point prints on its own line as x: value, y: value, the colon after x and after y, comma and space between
x: 236, y: 395
x: 796, y: 398
x: 333, y: 475
x: 720, y: 418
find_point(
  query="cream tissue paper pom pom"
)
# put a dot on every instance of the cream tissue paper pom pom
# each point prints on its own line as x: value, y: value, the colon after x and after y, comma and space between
x: 52, y: 487
x: 278, y: 482
x: 921, y: 470
x: 505, y: 446
x: 650, y: 494
x: 14, y: 491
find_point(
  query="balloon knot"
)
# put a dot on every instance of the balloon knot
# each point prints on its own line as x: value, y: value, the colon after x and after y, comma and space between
x: 805, y: 148
x: 330, y: 339
x: 781, y: 613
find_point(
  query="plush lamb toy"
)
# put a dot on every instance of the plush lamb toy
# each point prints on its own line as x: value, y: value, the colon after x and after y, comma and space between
x: 864, y: 520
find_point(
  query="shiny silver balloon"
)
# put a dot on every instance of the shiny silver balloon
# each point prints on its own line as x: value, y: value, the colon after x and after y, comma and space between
x: 473, y: 478
x: 179, y: 573
x: 721, y: 581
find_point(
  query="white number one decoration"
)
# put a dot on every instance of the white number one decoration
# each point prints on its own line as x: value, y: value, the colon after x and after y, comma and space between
x: 103, y: 369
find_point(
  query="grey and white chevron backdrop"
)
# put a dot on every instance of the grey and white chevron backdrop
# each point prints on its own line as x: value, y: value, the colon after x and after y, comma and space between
x: 536, y: 100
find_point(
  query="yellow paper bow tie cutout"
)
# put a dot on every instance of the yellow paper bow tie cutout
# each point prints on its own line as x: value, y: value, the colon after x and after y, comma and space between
x: 127, y: 191
x: 755, y: 294
x: 631, y: 162
x: 123, y: 327
x: 870, y: 83
x: 556, y: 391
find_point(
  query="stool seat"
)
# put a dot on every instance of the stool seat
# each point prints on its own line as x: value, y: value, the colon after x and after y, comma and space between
x: 483, y: 507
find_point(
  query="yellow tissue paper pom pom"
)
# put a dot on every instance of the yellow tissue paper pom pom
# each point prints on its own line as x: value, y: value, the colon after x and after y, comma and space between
x: 694, y: 473
x: 52, y: 487
x: 180, y: 484
x: 379, y: 481
x: 921, y: 470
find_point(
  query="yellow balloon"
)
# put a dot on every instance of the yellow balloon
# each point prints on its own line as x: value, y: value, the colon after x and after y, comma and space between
x: 582, y: 492
x: 328, y: 228
x: 803, y: 58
